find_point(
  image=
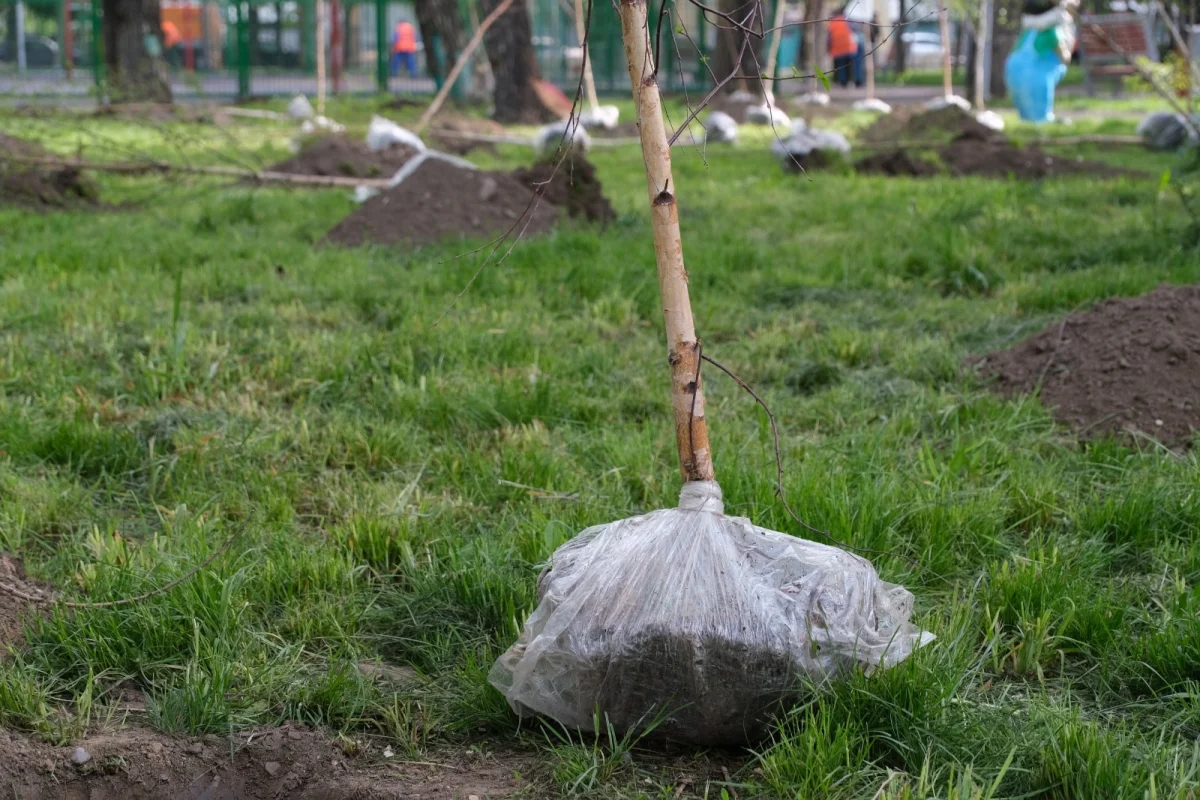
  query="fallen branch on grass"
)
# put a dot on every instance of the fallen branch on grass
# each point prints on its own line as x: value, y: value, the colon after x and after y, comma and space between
x: 43, y: 599
x: 143, y: 167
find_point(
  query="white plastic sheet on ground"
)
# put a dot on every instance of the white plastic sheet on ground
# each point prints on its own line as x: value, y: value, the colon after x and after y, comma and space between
x: 382, y: 133
x: 704, y: 619
x: 720, y: 127
x: 566, y: 133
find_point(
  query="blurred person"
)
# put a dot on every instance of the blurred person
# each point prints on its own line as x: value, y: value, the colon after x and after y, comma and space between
x: 404, y: 49
x: 842, y: 47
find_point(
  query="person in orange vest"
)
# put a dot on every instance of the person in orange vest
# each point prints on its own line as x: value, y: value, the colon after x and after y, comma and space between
x: 843, y: 48
x: 172, y: 39
x: 404, y: 48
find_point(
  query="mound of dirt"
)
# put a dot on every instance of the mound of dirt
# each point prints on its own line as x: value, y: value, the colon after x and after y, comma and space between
x: 896, y: 162
x: 937, y: 125
x: 340, y: 156
x: 290, y: 761
x: 964, y: 148
x: 448, y: 129
x: 573, y: 186
x: 36, y: 186
x: 443, y: 201
x: 1128, y: 366
x: 999, y: 158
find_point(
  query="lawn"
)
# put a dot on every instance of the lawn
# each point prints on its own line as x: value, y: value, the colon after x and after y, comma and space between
x: 196, y: 371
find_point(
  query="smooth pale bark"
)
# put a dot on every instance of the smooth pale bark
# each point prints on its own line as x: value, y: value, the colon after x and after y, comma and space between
x: 683, y: 348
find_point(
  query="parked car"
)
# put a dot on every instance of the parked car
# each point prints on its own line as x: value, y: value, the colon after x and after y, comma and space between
x: 40, y: 51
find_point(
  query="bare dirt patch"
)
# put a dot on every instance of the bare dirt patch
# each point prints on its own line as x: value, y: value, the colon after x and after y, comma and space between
x: 952, y: 142
x: 574, y: 186
x: 285, y: 762
x: 450, y: 132
x: 443, y: 201
x: 40, y: 187
x: 14, y: 610
x: 1130, y: 366
x: 337, y: 155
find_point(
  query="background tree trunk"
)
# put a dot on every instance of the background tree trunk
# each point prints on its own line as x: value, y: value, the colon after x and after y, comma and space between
x: 729, y: 44
x: 440, y: 19
x: 901, y: 47
x: 814, y: 40
x: 134, y: 73
x: 509, y: 44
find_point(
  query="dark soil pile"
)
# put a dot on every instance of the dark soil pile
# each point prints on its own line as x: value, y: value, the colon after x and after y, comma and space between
x: 340, y: 156
x: 443, y: 201
x: 729, y: 701
x: 38, y: 186
x: 573, y: 186
x: 999, y: 158
x: 896, y: 162
x: 1128, y: 366
x: 623, y: 130
x: 940, y: 125
x: 290, y: 761
x: 448, y: 129
x: 964, y: 148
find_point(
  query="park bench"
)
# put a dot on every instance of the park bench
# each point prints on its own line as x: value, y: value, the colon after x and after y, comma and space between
x: 1100, y: 52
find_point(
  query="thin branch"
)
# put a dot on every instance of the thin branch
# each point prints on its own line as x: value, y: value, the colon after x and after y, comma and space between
x: 779, y: 492
x: 15, y: 592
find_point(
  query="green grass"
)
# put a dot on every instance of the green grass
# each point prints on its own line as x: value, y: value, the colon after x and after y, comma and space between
x: 198, y: 369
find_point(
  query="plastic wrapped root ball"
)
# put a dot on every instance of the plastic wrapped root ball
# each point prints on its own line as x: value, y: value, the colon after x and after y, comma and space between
x: 1165, y: 130
x: 701, y: 621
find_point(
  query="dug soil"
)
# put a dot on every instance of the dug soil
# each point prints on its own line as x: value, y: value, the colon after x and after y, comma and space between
x: 1129, y: 367
x: 573, y: 185
x: 14, y: 609
x: 951, y: 141
x: 443, y: 201
x: 40, y: 187
x: 448, y: 128
x: 336, y: 155
x: 285, y: 762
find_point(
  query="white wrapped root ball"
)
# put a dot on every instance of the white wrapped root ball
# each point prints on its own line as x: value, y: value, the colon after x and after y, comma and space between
x: 382, y: 133
x: 1165, y: 130
x: 768, y: 114
x: 703, y: 619
x: 720, y: 127
x: 948, y: 100
x: 605, y: 117
x: 565, y: 133
x: 874, y: 105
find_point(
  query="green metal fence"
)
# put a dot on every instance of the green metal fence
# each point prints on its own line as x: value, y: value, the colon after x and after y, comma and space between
x: 246, y: 48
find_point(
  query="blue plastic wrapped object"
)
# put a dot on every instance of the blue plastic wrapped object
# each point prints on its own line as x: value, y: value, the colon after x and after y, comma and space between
x: 1037, y: 64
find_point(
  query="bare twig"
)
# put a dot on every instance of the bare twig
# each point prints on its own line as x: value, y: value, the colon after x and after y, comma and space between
x: 779, y: 492
x: 15, y: 592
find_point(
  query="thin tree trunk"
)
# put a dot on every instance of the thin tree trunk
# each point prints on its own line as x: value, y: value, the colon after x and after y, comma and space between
x: 438, y: 19
x: 982, y: 43
x: 814, y: 39
x: 683, y: 348
x: 729, y: 45
x: 135, y: 74
x: 589, y: 80
x: 901, y: 49
x: 947, y: 66
x: 509, y: 45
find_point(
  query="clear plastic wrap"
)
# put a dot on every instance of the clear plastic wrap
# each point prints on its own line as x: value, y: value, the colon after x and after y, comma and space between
x: 704, y: 621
